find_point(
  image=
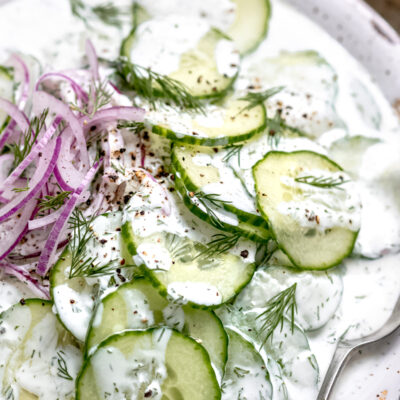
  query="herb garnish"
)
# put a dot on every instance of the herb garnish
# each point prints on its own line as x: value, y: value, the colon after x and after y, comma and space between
x: 257, y: 98
x: 62, y: 367
x: 322, y: 182
x: 233, y: 151
x: 53, y: 202
x: 154, y: 86
x: 221, y: 243
x: 28, y: 139
x: 99, y: 97
x: 276, y: 310
x: 209, y: 201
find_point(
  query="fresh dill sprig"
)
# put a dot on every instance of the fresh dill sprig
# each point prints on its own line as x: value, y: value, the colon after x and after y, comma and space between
x: 28, y: 138
x: 276, y: 310
x: 133, y: 126
x: 22, y: 189
x: 119, y: 168
x: 154, y: 86
x: 62, y: 367
x: 322, y: 182
x: 106, y: 12
x: 233, y: 151
x: 257, y: 98
x: 210, y: 201
x: 221, y: 243
x: 275, y: 130
x: 99, y: 97
x: 264, y: 252
x: 53, y: 202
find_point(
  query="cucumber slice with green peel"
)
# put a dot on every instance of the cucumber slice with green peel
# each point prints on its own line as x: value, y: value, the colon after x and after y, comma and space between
x: 219, y: 126
x: 286, y: 347
x: 245, y: 376
x: 32, y: 340
x: 75, y: 298
x: 251, y: 24
x: 138, y: 305
x: 318, y: 293
x: 169, y: 364
x: 241, y: 158
x: 204, y: 170
x: 349, y: 152
x: 179, y: 270
x: 6, y: 92
x: 312, y: 206
x: 212, y: 212
x: 186, y: 49
x: 246, y: 22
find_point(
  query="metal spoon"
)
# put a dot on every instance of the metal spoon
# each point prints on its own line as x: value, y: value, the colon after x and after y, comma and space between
x: 347, y: 348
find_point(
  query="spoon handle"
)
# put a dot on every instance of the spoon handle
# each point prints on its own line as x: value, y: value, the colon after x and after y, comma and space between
x: 338, y: 362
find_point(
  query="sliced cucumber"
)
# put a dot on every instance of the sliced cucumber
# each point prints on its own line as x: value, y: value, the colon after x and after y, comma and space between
x: 315, y: 226
x: 6, y: 92
x: 137, y: 305
x: 318, y: 293
x: 245, y: 21
x: 33, y: 342
x: 75, y: 298
x: 176, y: 267
x: 203, y: 170
x: 219, y: 126
x: 242, y: 158
x: 289, y: 349
x: 144, y: 364
x: 349, y: 152
x: 185, y: 49
x: 246, y: 376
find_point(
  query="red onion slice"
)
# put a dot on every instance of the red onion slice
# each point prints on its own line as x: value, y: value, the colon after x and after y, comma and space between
x: 43, y: 100
x: 24, y: 276
x: 50, y: 247
x: 22, y: 72
x: 44, y: 169
x: 92, y: 58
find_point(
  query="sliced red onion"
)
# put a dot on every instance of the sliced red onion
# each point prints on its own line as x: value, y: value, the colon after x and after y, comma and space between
x: 22, y: 70
x: 114, y: 87
x: 92, y: 58
x: 15, y: 228
x: 24, y: 276
x: 44, y: 221
x: 33, y: 154
x: 50, y: 247
x: 78, y: 90
x: 43, y: 100
x: 43, y: 171
x: 18, y: 117
x: 114, y: 114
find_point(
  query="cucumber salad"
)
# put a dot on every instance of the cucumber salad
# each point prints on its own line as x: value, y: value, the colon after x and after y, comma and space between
x: 195, y: 202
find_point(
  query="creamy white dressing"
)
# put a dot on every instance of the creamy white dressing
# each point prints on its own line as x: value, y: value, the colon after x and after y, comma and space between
x: 323, y: 208
x: 196, y: 292
x: 123, y: 375
x: 371, y: 287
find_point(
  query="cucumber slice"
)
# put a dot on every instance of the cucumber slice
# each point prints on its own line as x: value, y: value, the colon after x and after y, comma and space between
x: 6, y: 92
x: 308, y: 101
x: 246, y: 21
x: 220, y: 125
x: 32, y: 341
x: 315, y: 226
x: 203, y: 170
x: 245, y: 376
x: 242, y: 158
x: 75, y: 298
x: 289, y: 349
x: 169, y: 364
x: 318, y: 293
x: 185, y: 49
x: 349, y: 152
x: 137, y: 305
x: 174, y: 265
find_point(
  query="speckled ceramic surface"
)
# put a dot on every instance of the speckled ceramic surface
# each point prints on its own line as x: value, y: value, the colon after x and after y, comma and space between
x: 375, y: 373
